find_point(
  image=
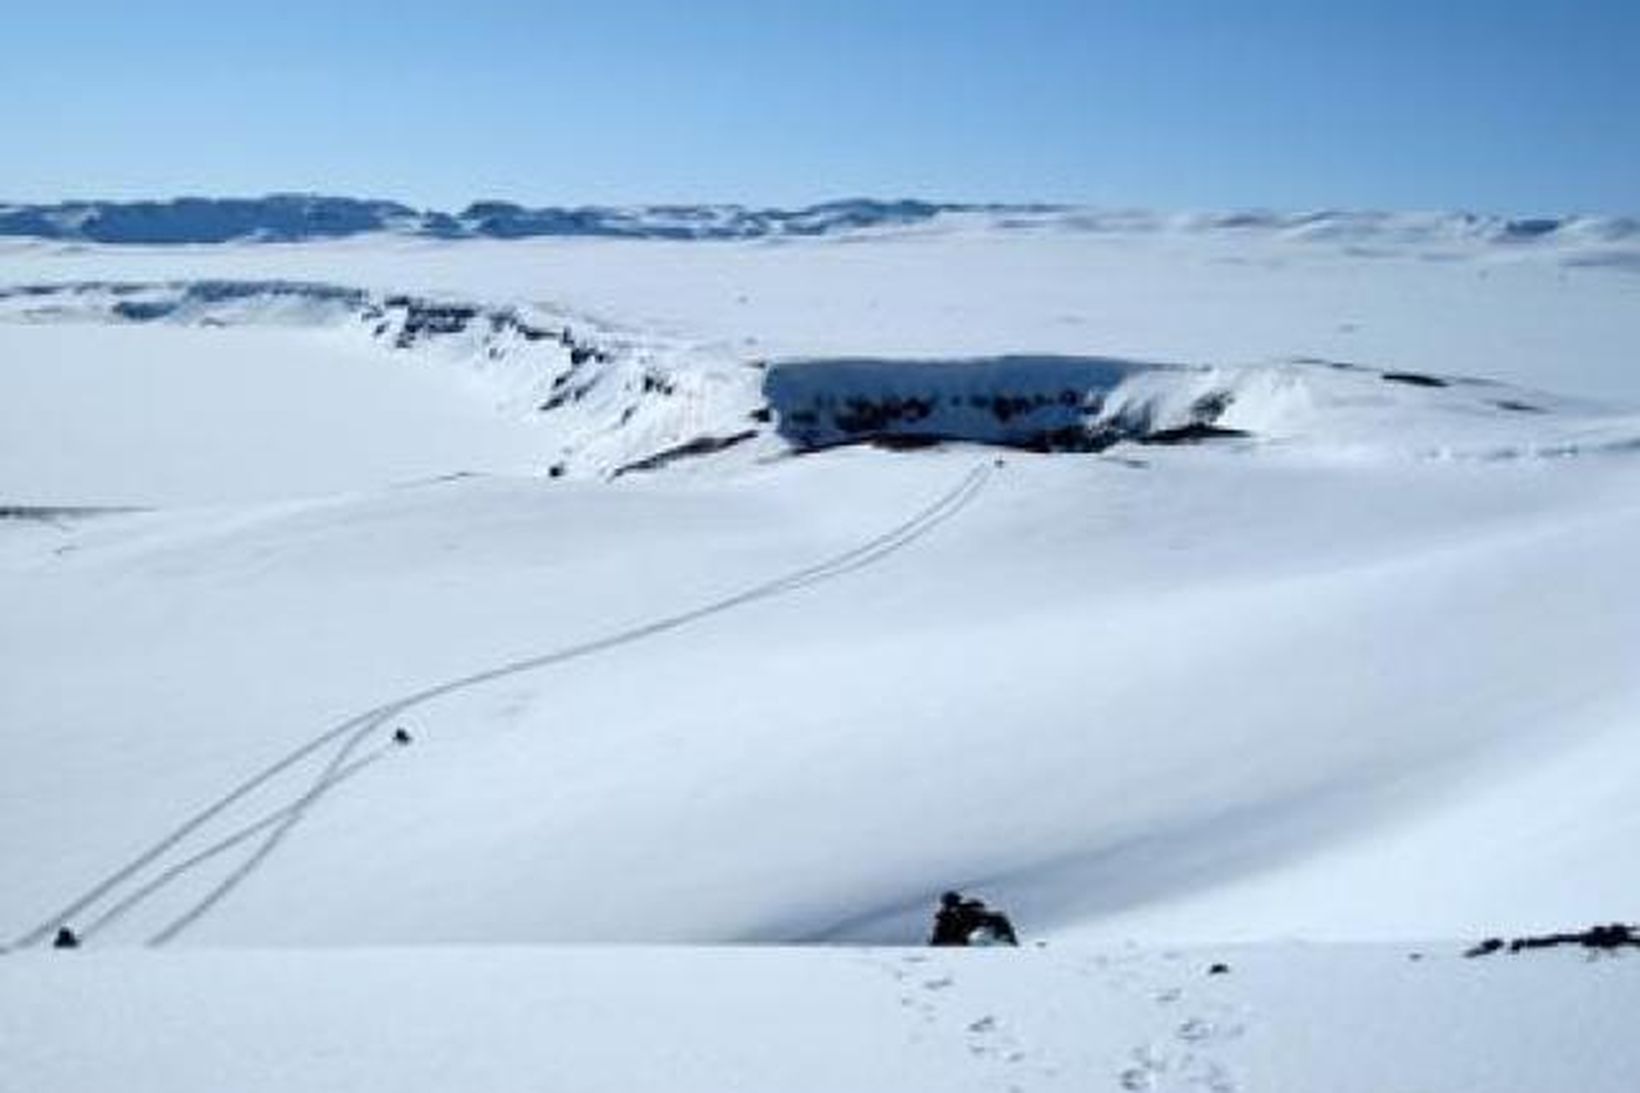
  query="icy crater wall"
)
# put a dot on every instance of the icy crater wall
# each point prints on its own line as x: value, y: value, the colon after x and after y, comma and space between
x: 1042, y: 402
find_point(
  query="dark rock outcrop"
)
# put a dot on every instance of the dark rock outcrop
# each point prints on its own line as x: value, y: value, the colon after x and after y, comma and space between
x: 1608, y: 938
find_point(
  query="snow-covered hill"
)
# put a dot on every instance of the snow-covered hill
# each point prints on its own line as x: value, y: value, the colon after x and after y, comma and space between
x: 1187, y: 584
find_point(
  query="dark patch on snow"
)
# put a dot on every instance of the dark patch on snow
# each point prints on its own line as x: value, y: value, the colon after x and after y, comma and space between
x: 1609, y: 938
x: 1328, y: 362
x: 424, y: 319
x: 1194, y: 433
x: 701, y: 445
x: 52, y: 513
x: 1415, y: 379
x: 140, y: 311
x: 1518, y: 407
x: 905, y: 442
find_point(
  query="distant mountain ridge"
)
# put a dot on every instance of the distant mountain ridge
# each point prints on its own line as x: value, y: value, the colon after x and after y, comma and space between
x: 296, y: 217
x: 285, y: 218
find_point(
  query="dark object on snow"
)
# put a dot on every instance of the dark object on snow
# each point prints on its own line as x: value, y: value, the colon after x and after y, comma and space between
x: 1219, y: 969
x: 949, y: 922
x: 65, y: 939
x: 962, y: 921
x: 701, y: 445
x: 1416, y: 379
x: 1193, y: 433
x: 401, y: 736
x: 1615, y: 936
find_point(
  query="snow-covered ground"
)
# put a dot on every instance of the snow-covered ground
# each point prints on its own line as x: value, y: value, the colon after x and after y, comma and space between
x: 1350, y: 1019
x: 1357, y: 663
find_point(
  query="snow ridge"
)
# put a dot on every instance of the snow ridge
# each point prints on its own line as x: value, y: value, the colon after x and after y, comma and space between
x: 610, y: 402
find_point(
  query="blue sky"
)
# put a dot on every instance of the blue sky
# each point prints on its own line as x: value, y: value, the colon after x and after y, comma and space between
x: 1504, y: 106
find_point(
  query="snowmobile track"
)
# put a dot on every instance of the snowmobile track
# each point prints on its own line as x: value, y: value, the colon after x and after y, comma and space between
x: 350, y: 735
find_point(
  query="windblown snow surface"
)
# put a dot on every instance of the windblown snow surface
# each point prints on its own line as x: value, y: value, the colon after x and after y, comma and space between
x: 1200, y: 591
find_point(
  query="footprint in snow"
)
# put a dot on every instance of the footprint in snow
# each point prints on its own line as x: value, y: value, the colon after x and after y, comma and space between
x: 1184, y: 1070
x: 1194, y: 1030
x: 989, y: 1038
x: 1198, y: 1029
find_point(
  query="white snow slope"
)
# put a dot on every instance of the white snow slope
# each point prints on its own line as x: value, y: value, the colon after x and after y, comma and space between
x: 1361, y: 669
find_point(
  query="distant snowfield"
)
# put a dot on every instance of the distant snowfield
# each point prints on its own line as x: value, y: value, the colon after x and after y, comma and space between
x: 1562, y: 316
x: 1359, y: 666
x: 98, y: 415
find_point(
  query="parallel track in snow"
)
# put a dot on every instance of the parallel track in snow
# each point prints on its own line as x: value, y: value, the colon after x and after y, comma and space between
x: 127, y: 888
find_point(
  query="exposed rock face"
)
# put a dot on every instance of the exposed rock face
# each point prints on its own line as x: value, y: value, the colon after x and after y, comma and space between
x: 702, y: 445
x: 1043, y: 403
x: 1616, y: 935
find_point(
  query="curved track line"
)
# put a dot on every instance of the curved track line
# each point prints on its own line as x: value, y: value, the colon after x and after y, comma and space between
x: 228, y: 842
x: 947, y: 506
x: 354, y: 731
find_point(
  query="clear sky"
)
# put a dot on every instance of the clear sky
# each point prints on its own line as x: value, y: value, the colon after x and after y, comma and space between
x: 1509, y: 106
